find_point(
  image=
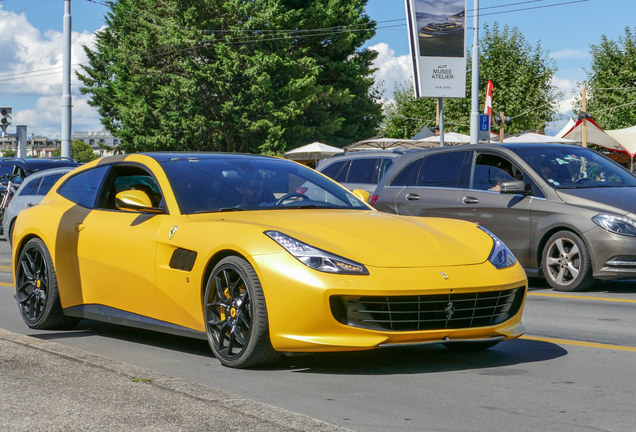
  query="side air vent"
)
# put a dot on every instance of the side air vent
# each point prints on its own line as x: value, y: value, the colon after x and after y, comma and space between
x: 183, y: 259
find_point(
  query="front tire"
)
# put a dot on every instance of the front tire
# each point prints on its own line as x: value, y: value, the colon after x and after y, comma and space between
x: 37, y: 292
x: 566, y: 262
x: 236, y: 315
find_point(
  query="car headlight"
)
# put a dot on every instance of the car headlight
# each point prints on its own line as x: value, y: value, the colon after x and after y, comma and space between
x: 316, y: 258
x: 500, y: 256
x: 616, y: 224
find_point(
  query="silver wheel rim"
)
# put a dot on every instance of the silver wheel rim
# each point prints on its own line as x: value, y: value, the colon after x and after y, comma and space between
x: 563, y: 261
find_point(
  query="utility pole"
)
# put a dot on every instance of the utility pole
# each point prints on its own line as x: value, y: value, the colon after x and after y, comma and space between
x: 502, y: 122
x: 474, y: 112
x: 584, y: 121
x: 66, y: 83
x: 441, y: 122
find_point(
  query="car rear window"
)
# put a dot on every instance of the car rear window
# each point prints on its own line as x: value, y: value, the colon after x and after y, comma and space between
x: 31, y: 187
x: 48, y: 182
x: 441, y: 170
x: 403, y: 177
x: 82, y: 188
x: 332, y: 170
x: 361, y: 171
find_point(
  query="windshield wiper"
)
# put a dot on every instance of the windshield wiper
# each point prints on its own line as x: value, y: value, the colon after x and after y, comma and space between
x: 216, y: 210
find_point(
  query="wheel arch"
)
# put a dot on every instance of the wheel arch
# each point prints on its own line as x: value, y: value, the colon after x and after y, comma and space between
x: 212, y: 262
x: 23, y: 241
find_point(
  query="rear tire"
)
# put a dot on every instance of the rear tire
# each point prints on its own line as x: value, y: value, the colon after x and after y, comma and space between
x: 37, y: 292
x: 9, y: 235
x: 566, y: 263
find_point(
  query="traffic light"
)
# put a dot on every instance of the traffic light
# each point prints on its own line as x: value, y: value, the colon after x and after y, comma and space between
x: 5, y: 117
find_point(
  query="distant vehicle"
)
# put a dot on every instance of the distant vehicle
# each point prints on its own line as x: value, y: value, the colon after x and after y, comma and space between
x: 567, y: 213
x: 360, y: 169
x: 30, y: 193
x: 25, y: 167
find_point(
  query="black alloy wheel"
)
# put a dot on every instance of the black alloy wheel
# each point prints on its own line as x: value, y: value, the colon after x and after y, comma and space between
x: 566, y: 263
x: 236, y: 315
x: 37, y: 291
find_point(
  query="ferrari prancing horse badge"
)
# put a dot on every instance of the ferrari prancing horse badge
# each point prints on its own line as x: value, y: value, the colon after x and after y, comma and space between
x: 172, y: 231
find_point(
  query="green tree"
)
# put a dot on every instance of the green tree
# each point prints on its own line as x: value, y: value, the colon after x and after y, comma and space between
x: 522, y: 76
x: 9, y: 152
x: 234, y: 75
x: 80, y: 151
x: 611, y: 89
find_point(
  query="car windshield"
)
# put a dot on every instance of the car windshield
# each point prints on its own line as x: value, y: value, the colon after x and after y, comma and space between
x: 213, y: 184
x: 571, y: 167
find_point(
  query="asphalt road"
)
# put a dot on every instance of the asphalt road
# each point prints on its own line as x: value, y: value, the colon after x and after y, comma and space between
x: 573, y: 371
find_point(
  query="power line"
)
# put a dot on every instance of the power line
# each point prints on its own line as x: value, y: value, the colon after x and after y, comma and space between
x: 532, y: 8
x: 16, y: 12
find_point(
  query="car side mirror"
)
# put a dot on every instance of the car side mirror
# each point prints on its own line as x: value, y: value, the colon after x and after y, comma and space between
x: 514, y: 187
x: 135, y: 200
x: 362, y: 195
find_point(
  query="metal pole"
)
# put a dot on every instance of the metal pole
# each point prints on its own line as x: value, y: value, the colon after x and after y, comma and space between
x: 474, y: 112
x: 22, y: 141
x: 441, y: 122
x: 66, y: 84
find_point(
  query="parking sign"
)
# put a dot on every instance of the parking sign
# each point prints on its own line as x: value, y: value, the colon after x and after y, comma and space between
x: 484, y: 128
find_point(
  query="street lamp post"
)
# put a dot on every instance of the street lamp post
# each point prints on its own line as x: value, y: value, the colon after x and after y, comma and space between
x: 66, y: 83
x: 474, y: 112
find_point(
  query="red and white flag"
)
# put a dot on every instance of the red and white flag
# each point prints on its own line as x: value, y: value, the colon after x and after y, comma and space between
x: 488, y: 102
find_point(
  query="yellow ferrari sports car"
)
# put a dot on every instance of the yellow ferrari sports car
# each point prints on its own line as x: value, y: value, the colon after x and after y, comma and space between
x: 258, y: 255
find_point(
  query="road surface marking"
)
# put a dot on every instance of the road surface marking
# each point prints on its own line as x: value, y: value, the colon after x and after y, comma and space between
x: 5, y: 267
x: 579, y: 343
x: 580, y: 297
x: 6, y: 284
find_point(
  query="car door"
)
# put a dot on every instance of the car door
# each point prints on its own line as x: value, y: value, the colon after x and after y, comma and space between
x: 507, y: 216
x: 116, y: 249
x: 434, y: 186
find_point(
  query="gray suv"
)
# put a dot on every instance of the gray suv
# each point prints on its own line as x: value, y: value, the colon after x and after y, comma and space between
x: 360, y: 169
x: 568, y: 213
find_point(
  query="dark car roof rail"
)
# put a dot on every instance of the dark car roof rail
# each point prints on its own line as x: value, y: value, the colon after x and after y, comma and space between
x: 63, y: 158
x: 11, y: 158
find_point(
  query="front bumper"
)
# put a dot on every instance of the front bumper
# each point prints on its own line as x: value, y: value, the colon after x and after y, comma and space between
x: 301, y: 319
x: 613, y: 256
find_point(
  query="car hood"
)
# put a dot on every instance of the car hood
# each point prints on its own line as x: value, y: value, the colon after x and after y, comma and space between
x: 373, y: 238
x: 619, y: 200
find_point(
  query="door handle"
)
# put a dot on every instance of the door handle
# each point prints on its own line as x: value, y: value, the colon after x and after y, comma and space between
x: 412, y: 197
x: 470, y: 200
x: 79, y: 227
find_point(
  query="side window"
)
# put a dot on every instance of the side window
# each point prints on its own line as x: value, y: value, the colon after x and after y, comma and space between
x: 31, y: 187
x: 82, y: 188
x: 385, y: 164
x: 404, y: 176
x: 361, y: 170
x: 441, y: 170
x: 128, y: 177
x: 342, y: 178
x: 492, y: 170
x: 47, y: 183
x: 332, y: 170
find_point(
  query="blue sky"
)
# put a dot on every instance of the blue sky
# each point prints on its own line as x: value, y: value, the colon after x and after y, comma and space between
x: 30, y: 41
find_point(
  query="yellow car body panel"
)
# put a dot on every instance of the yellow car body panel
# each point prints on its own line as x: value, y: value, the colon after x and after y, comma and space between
x: 121, y: 259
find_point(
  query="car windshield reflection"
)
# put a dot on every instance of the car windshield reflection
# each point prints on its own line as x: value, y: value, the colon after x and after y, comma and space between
x: 235, y: 183
x: 576, y: 167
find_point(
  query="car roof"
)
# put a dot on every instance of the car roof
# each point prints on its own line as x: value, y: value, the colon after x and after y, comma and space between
x: 48, y: 172
x: 176, y: 156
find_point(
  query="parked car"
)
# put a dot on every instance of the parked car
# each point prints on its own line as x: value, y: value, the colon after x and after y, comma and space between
x: 568, y: 213
x: 25, y: 167
x: 360, y: 169
x: 30, y: 193
x: 222, y: 247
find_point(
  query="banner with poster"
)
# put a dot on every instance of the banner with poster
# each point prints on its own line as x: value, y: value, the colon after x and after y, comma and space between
x: 437, y: 39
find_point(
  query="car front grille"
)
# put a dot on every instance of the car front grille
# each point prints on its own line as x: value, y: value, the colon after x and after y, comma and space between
x: 428, y: 312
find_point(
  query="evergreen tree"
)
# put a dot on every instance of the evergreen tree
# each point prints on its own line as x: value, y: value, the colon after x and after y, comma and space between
x: 233, y: 75
x: 522, y: 77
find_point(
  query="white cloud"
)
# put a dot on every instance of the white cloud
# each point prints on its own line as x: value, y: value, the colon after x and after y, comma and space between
x: 570, y: 54
x: 391, y: 69
x: 565, y: 86
x: 32, y: 66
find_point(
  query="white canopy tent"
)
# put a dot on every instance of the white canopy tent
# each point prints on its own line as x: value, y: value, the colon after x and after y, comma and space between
x: 595, y: 135
x: 450, y: 138
x: 381, y: 143
x: 537, y: 138
x: 312, y: 152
